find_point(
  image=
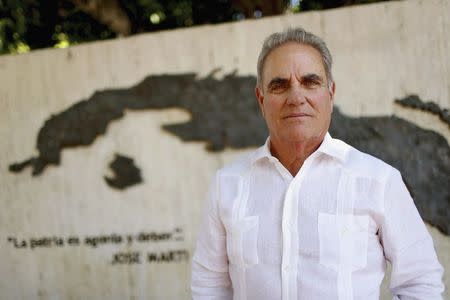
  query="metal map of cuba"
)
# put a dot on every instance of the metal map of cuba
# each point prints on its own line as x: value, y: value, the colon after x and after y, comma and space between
x: 224, y: 113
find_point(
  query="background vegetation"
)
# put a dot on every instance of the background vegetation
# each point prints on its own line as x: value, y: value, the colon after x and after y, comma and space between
x: 32, y: 24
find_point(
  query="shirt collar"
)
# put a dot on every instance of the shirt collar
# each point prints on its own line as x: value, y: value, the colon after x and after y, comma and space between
x: 330, y: 146
x: 262, y: 152
x: 334, y: 147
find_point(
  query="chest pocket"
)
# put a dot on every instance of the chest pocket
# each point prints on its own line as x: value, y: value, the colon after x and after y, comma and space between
x: 242, y: 242
x: 343, y: 241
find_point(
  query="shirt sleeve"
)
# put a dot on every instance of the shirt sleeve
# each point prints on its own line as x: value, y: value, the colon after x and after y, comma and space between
x: 416, y: 272
x: 210, y: 277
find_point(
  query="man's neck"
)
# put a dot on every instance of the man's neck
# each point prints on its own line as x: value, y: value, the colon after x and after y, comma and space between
x: 292, y: 155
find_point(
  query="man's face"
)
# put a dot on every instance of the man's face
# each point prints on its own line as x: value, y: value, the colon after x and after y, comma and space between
x: 294, y: 96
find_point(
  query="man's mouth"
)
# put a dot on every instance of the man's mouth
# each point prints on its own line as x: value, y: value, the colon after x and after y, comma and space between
x: 296, y: 115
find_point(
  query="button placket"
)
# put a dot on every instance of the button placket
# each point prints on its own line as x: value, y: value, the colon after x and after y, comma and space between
x: 290, y: 233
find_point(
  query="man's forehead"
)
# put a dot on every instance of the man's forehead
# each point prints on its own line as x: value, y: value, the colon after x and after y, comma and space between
x: 300, y: 58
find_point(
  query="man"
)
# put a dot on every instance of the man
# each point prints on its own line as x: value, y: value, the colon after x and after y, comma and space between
x: 307, y: 216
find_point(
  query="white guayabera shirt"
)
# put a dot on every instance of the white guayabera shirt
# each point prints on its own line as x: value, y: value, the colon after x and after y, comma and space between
x: 324, y: 234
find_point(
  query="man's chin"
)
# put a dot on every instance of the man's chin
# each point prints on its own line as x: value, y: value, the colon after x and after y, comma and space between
x: 302, y: 136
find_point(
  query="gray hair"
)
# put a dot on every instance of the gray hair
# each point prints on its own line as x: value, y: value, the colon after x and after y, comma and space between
x: 297, y: 35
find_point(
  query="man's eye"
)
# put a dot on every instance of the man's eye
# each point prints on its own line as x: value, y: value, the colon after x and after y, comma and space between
x: 310, y: 84
x: 277, y: 87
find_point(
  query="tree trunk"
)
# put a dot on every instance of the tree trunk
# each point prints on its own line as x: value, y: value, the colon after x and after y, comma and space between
x: 107, y: 12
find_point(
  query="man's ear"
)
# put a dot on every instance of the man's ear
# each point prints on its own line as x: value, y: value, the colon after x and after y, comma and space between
x: 332, y: 91
x: 260, y: 98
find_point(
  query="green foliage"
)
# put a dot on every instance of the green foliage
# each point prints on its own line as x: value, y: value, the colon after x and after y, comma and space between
x: 13, y: 24
x: 32, y: 24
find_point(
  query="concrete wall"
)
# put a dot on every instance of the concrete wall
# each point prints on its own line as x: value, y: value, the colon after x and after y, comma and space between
x: 381, y: 52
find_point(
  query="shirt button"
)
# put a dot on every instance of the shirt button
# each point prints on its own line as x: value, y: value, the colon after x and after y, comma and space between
x: 345, y: 230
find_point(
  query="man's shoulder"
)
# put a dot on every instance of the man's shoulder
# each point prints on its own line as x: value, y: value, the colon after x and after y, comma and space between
x: 366, y: 165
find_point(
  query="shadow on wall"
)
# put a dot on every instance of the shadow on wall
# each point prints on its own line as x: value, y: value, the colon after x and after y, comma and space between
x: 225, y: 114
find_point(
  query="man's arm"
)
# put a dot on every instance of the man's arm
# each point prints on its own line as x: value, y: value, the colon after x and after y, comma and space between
x: 416, y: 272
x: 210, y: 278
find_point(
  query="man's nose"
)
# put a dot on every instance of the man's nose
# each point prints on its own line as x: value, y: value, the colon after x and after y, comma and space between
x: 296, y: 95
